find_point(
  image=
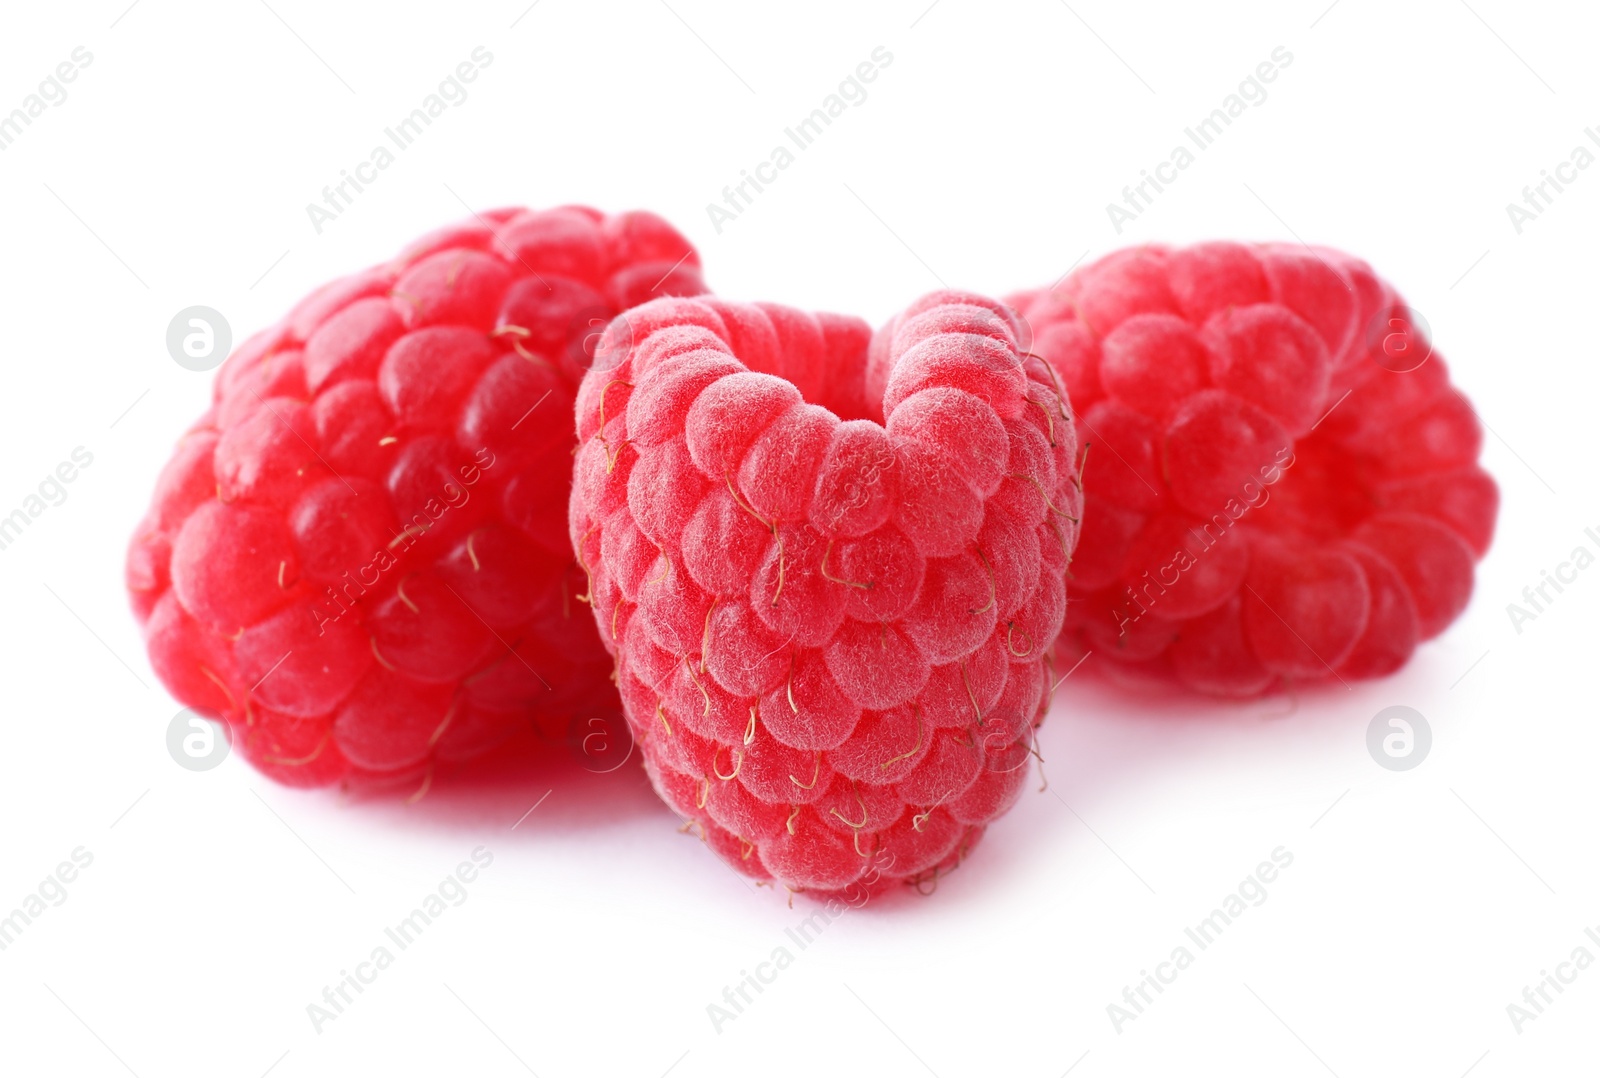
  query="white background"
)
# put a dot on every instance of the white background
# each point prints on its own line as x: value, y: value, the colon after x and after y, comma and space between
x: 1418, y: 905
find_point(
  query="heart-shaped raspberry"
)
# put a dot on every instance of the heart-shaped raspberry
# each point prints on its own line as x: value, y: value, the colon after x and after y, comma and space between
x: 831, y: 567
x: 1283, y: 484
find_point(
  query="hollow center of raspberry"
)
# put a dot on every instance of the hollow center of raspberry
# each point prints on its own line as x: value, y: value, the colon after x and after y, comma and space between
x: 836, y: 380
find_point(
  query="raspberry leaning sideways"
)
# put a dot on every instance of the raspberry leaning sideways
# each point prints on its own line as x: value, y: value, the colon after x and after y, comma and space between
x: 358, y: 556
x: 1282, y: 483
x: 831, y: 567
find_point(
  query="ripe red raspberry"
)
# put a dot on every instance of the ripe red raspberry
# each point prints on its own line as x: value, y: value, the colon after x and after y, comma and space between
x: 1282, y: 483
x: 358, y: 557
x: 831, y: 575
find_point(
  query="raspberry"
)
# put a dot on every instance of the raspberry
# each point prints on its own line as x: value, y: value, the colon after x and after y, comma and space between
x: 831, y: 566
x: 357, y: 557
x: 1282, y: 484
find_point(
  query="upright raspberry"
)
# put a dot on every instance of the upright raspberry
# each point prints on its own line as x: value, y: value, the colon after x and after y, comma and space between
x: 831, y: 568
x: 358, y: 557
x: 1282, y: 484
